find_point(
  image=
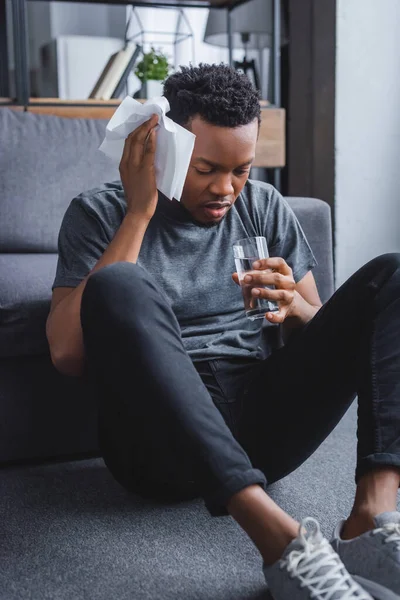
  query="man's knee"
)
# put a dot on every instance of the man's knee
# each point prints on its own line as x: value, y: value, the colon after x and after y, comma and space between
x: 386, y: 278
x: 390, y: 261
x: 114, y: 281
x: 112, y: 276
x: 382, y: 268
x: 111, y: 289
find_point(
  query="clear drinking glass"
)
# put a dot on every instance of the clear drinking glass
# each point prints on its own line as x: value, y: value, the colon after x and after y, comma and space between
x: 246, y: 252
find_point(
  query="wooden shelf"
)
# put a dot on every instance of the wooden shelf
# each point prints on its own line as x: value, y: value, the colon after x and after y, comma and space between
x: 84, y: 102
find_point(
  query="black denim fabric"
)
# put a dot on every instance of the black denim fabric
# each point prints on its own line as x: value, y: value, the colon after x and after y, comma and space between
x: 171, y: 429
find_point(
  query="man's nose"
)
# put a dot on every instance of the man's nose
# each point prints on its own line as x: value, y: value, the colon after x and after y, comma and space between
x: 222, y: 186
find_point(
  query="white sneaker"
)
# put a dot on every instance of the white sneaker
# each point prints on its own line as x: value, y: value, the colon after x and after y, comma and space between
x: 310, y: 568
x: 373, y: 558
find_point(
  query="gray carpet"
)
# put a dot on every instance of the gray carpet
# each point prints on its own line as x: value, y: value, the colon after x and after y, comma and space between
x: 70, y: 532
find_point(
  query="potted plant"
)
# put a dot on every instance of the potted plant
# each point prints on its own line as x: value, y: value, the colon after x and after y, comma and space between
x: 152, y: 70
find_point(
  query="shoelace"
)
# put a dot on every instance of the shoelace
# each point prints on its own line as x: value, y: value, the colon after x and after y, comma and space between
x: 391, y: 532
x: 319, y: 555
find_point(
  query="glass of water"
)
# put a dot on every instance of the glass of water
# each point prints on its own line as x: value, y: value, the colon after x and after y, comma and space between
x: 246, y: 252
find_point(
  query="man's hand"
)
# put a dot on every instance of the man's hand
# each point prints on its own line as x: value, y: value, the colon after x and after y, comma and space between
x: 137, y: 170
x: 276, y: 272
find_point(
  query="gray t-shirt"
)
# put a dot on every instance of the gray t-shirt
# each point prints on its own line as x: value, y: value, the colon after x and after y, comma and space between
x: 191, y: 262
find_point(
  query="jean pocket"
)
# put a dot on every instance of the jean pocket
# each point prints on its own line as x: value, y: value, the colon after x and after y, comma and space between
x: 232, y: 378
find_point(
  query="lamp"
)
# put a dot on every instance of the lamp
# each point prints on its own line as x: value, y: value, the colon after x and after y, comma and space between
x: 251, y: 29
x: 251, y: 24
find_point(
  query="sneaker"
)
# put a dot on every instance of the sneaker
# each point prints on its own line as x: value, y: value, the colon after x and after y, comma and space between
x: 310, y: 568
x: 373, y: 558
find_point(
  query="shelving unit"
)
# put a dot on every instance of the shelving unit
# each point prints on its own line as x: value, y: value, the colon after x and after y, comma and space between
x: 20, y: 35
x: 272, y: 151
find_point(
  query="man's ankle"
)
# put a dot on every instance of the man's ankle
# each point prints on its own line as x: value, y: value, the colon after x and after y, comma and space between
x: 270, y: 528
x: 356, y: 525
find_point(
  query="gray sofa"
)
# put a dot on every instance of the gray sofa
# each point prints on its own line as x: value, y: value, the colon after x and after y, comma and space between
x: 44, y: 162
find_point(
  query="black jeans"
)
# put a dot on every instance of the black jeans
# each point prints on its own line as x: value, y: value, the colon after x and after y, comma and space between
x: 173, y: 429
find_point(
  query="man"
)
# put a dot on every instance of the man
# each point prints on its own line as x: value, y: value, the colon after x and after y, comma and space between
x: 146, y: 302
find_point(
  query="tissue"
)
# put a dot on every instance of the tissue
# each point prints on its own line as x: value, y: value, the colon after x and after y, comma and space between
x: 174, y: 143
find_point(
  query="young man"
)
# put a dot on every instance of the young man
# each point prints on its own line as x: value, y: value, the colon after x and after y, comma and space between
x: 145, y: 300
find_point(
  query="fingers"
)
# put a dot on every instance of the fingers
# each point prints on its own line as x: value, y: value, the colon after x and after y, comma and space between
x: 125, y: 154
x: 276, y: 317
x: 141, y: 139
x: 258, y: 278
x: 150, y: 148
x: 136, y: 143
x: 281, y: 296
x: 276, y: 263
x: 270, y: 278
x: 271, y: 271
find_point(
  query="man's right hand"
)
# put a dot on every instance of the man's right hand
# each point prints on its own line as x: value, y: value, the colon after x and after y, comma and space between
x: 137, y: 170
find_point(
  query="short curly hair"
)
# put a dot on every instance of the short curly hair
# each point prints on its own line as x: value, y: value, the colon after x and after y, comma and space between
x: 220, y: 94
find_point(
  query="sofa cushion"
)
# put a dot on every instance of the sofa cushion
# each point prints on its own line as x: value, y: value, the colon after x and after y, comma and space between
x: 25, y: 293
x: 315, y: 218
x: 44, y: 162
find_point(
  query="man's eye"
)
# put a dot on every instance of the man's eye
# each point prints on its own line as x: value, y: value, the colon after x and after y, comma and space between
x: 242, y: 171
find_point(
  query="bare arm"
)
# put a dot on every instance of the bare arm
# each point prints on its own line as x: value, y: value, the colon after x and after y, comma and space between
x: 307, y: 303
x: 63, y: 327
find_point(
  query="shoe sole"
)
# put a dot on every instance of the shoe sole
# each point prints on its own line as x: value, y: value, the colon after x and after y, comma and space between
x: 378, y: 591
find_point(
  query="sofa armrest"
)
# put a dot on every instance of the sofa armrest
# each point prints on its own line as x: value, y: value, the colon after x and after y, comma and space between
x: 315, y: 218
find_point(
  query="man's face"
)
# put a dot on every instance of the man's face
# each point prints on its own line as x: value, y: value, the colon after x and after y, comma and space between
x: 219, y: 168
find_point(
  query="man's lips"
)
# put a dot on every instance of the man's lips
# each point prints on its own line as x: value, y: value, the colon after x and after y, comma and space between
x: 215, y: 210
x: 217, y: 205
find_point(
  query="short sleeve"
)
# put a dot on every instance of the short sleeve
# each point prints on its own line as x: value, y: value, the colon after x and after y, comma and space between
x: 81, y: 242
x: 287, y: 239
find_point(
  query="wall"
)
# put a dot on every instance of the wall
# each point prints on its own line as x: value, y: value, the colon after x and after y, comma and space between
x: 367, y: 143
x: 47, y: 20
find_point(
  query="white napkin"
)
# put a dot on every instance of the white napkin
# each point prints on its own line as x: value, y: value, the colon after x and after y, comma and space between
x: 174, y: 143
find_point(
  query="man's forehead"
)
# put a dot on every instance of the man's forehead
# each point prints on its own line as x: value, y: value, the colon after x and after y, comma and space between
x: 214, y: 142
x: 226, y: 148
x: 212, y: 163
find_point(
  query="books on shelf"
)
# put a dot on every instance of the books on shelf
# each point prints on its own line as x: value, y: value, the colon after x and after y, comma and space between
x: 114, y: 75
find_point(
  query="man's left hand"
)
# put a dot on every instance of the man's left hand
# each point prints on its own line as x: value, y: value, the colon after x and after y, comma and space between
x: 276, y: 272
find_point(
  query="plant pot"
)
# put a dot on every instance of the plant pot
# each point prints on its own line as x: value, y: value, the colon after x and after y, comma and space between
x: 152, y: 88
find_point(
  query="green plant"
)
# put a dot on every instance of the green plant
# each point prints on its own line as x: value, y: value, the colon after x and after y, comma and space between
x: 154, y: 65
